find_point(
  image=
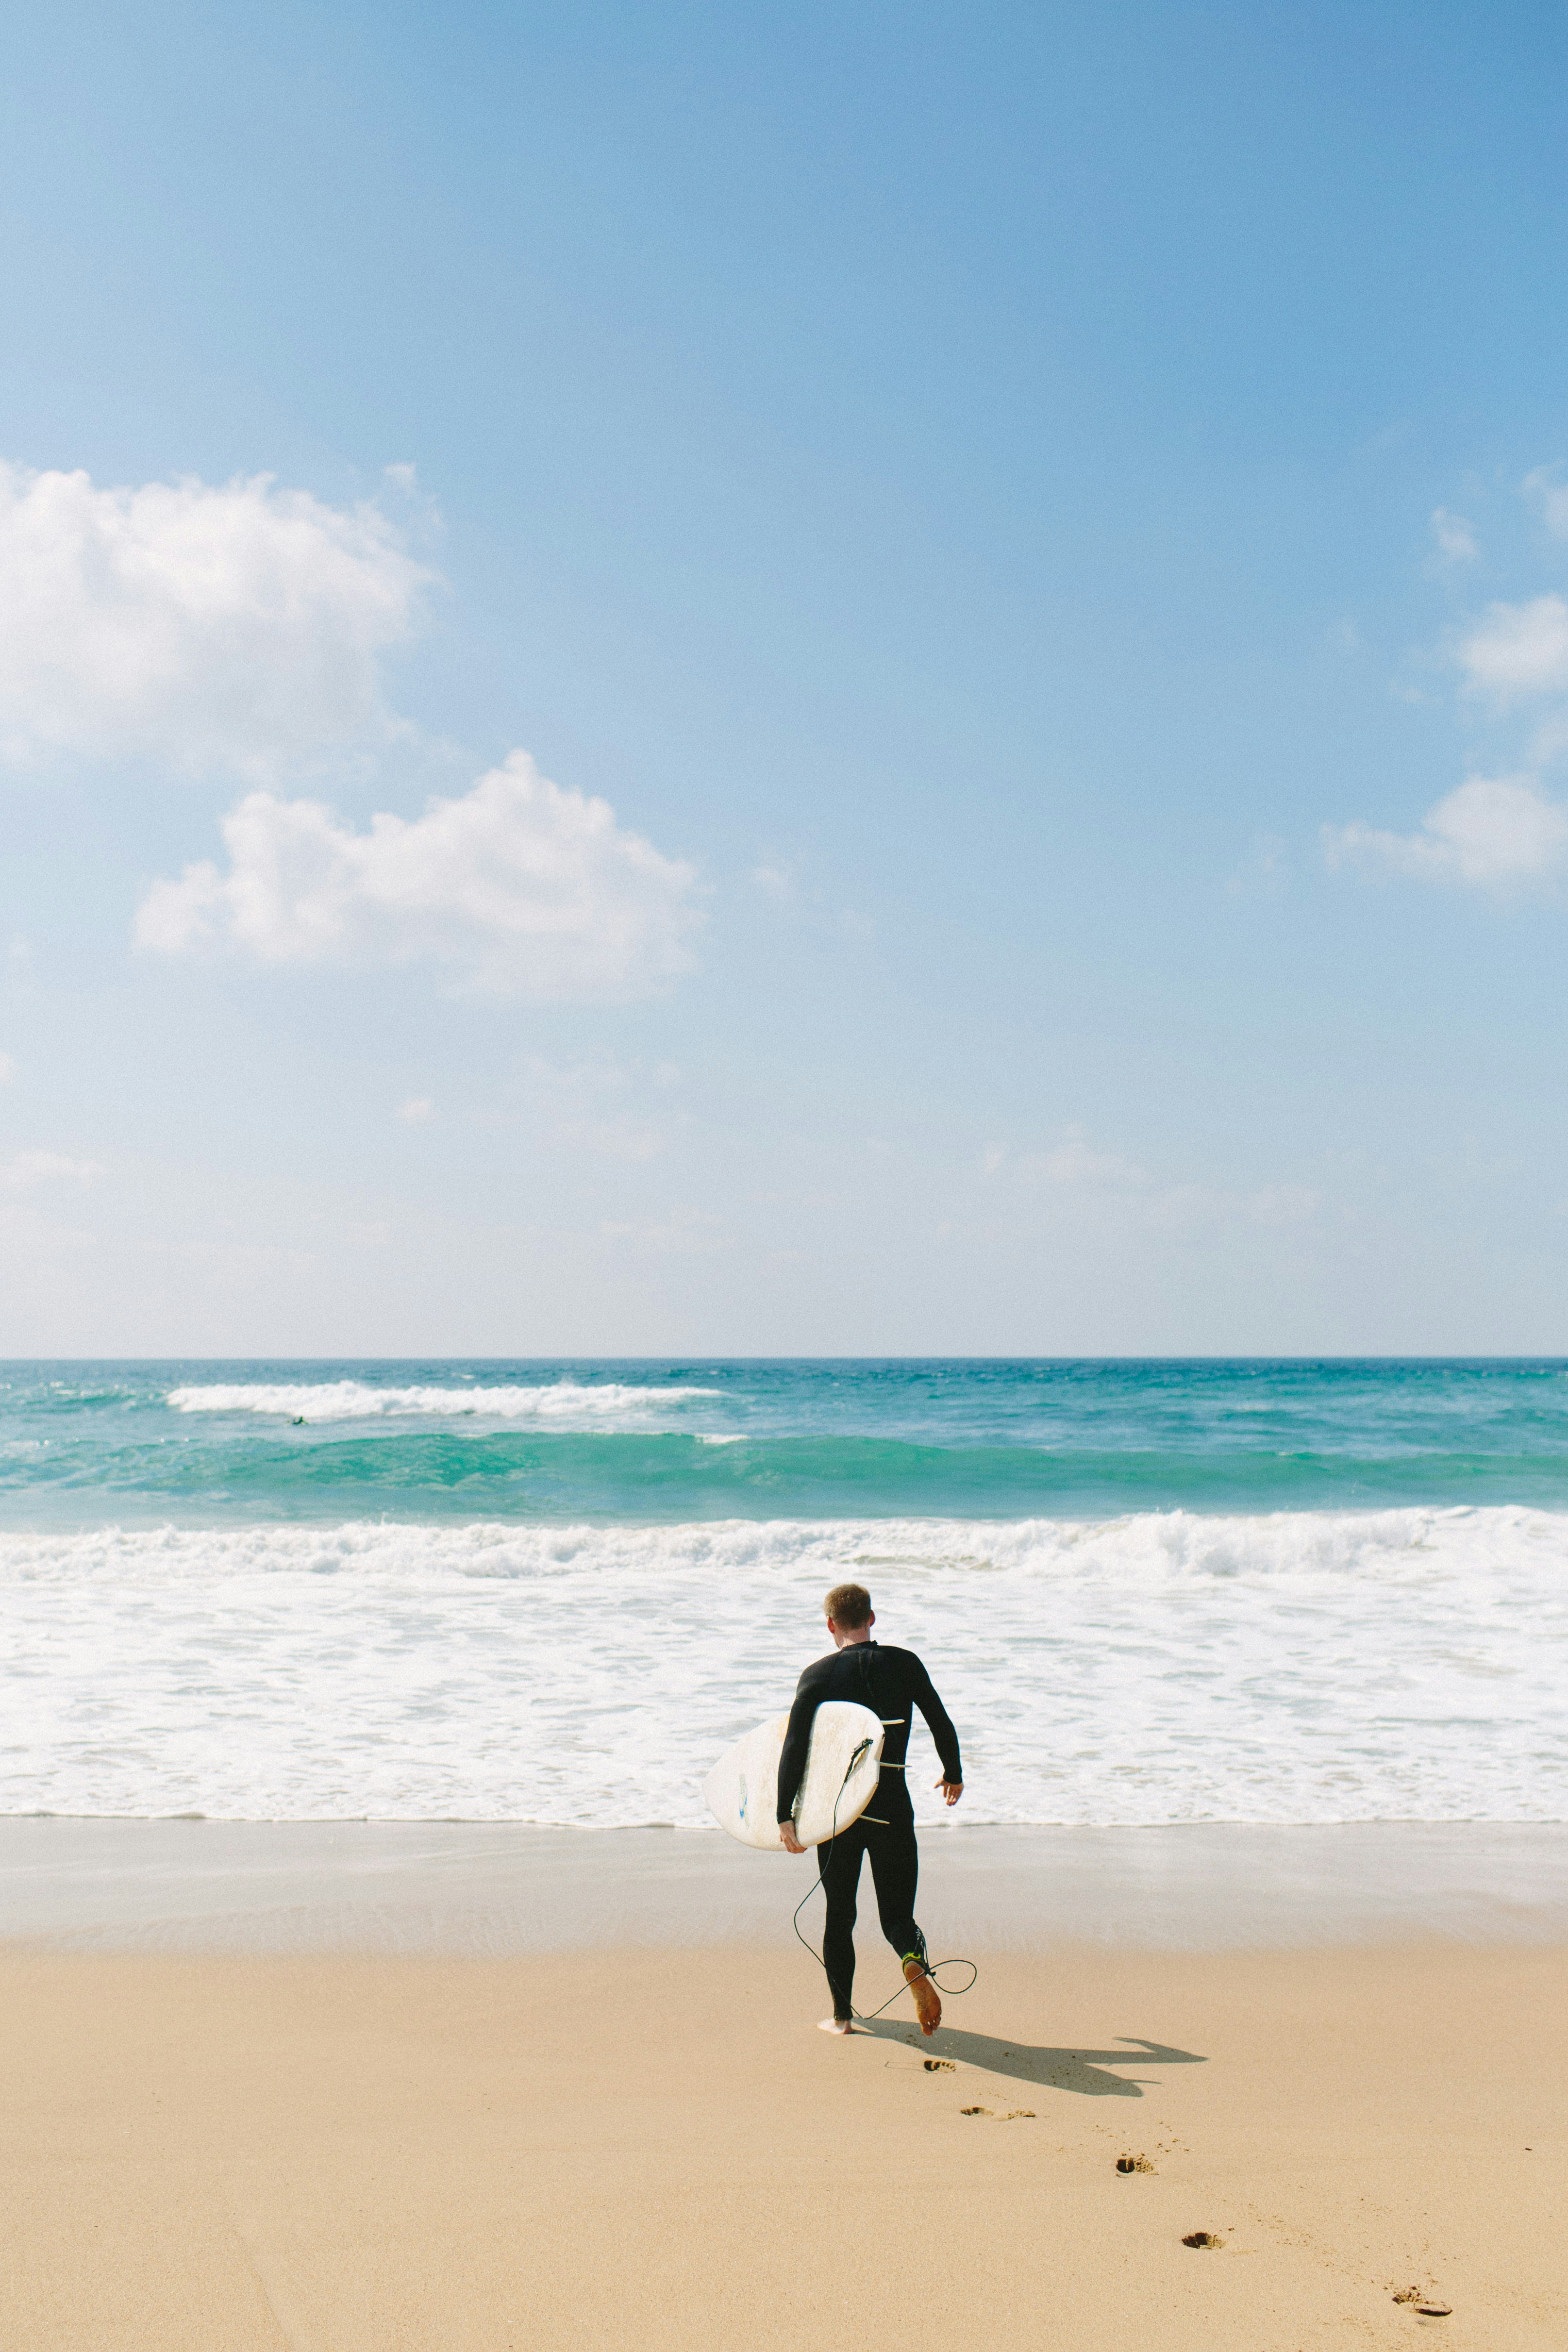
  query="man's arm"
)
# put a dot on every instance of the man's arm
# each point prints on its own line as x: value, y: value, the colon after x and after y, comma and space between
x: 941, y: 1731
x: 797, y: 1738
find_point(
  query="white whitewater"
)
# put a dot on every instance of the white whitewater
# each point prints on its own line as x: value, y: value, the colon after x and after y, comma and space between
x: 581, y: 1403
x: 1325, y: 1666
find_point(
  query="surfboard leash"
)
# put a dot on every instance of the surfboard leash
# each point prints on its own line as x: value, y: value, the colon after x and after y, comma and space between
x: 953, y: 1992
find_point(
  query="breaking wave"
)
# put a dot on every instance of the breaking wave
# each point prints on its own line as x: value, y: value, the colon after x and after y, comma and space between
x: 557, y: 1401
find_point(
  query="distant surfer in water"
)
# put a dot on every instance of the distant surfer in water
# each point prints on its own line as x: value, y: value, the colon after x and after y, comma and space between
x: 891, y: 1682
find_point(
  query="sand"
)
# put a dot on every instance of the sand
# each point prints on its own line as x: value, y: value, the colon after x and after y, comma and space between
x: 650, y: 2145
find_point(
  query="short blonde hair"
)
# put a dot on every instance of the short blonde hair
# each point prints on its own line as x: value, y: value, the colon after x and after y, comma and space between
x: 850, y: 1605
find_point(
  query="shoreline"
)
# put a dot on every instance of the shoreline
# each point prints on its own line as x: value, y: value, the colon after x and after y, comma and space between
x: 498, y: 1890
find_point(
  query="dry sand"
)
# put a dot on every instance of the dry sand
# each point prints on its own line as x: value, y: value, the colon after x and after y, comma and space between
x: 652, y: 2148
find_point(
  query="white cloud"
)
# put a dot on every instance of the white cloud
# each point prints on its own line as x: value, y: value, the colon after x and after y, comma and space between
x: 1111, y: 1186
x: 1492, y: 832
x: 1072, y: 1162
x: 521, y: 888
x: 1185, y: 1208
x: 237, y: 626
x: 417, y: 1111
x: 25, y: 1169
x: 1519, y: 649
x: 1282, y: 1204
x: 1454, y: 538
x: 1551, y: 496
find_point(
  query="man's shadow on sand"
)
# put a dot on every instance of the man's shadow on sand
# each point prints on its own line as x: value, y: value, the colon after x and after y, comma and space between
x: 1082, y: 2070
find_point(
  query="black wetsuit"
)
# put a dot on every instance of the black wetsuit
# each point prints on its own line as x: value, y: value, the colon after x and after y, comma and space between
x: 892, y: 1684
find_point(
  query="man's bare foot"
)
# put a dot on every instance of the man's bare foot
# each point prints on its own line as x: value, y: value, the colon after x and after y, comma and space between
x: 836, y: 2025
x: 928, y: 2008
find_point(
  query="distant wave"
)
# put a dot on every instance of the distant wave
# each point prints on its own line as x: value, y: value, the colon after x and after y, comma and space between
x: 553, y: 1401
x: 1165, y: 1666
x: 678, y: 1440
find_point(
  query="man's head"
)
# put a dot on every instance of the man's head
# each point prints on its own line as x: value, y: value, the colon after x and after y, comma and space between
x: 850, y: 1616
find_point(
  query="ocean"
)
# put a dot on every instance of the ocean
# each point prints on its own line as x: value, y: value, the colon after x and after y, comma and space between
x: 553, y: 1591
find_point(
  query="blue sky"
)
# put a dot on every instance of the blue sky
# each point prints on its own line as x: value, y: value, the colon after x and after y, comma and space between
x: 1045, y: 532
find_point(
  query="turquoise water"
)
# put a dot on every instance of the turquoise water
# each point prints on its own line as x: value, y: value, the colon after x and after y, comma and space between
x: 556, y: 1591
x: 702, y: 1439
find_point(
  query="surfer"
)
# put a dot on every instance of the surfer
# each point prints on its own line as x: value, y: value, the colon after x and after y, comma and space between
x: 891, y: 1683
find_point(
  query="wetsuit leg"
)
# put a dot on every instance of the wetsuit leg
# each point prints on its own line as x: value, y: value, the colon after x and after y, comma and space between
x: 895, y: 1869
x: 838, y: 1859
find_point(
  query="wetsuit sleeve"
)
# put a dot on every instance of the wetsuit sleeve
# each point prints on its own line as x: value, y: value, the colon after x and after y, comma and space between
x: 940, y: 1722
x: 809, y: 1695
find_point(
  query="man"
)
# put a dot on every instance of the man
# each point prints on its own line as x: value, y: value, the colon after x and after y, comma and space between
x: 891, y: 1682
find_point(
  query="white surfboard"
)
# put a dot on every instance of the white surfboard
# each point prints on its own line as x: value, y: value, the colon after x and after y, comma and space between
x: 839, y: 1780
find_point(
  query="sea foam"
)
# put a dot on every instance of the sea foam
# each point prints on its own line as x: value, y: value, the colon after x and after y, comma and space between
x: 555, y: 1401
x: 1310, y: 1666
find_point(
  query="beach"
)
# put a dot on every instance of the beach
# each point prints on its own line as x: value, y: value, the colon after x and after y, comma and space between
x: 376, y: 1979
x: 426, y: 2096
x: 782, y: 1188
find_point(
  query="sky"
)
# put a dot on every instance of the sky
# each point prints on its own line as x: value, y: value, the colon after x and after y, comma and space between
x: 816, y: 680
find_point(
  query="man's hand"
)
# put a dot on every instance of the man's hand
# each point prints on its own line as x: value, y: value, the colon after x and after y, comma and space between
x: 952, y: 1790
x: 788, y: 1839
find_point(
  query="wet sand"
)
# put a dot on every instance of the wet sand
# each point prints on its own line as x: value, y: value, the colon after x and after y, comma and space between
x: 487, y: 1889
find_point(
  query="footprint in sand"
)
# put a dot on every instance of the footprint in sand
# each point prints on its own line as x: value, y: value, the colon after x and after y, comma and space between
x: 1203, y: 2238
x: 1133, y: 2164
x: 1426, y: 2306
x: 1013, y: 2116
x: 940, y: 2066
